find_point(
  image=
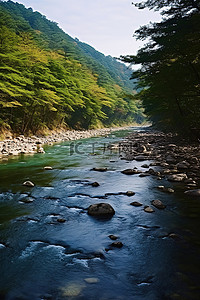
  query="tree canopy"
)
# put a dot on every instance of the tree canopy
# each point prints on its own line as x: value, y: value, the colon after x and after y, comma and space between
x: 169, y: 77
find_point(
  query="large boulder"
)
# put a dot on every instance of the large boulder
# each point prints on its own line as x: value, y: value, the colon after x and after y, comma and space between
x: 101, y: 209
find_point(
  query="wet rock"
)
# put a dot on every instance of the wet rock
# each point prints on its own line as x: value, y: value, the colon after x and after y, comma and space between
x: 149, y: 209
x: 100, y: 169
x: 177, y: 177
x: 130, y: 171
x: 28, y: 183
x: 113, y: 237
x: 27, y: 200
x: 184, y: 165
x: 164, y: 189
x: 61, y: 220
x: 144, y: 175
x: 141, y: 148
x: 91, y: 280
x: 158, y: 204
x: 48, y: 168
x: 101, y: 209
x: 140, y: 158
x: 135, y: 203
x: 145, y: 166
x: 194, y: 193
x: 95, y: 184
x: 170, y: 160
x: 117, y: 244
x: 173, y: 236
x: 130, y: 193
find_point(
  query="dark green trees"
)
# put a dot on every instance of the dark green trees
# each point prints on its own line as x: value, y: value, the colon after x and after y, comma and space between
x: 169, y: 77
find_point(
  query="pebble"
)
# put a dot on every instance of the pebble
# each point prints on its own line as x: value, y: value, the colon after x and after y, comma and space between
x: 91, y: 280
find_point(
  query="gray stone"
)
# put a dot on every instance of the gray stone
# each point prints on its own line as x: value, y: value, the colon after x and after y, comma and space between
x: 135, y: 203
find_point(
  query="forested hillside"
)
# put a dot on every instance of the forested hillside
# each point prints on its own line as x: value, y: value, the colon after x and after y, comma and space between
x: 48, y: 79
x: 169, y: 77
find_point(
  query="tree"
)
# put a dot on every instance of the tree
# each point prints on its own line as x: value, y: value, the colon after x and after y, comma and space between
x: 169, y: 77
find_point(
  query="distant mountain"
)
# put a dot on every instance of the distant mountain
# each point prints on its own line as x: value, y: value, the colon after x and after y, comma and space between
x: 68, y: 81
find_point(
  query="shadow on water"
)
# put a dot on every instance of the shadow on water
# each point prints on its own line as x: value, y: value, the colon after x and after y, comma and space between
x: 50, y: 248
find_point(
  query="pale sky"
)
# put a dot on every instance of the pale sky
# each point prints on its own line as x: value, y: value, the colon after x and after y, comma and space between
x: 107, y: 25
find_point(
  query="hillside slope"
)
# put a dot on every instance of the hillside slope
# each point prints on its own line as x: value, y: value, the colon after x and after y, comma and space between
x: 48, y: 79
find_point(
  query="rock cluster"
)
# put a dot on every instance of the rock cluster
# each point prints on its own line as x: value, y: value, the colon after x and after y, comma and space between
x: 174, y: 159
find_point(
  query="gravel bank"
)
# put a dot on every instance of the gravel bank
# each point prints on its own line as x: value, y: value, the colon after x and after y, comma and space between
x: 34, y: 144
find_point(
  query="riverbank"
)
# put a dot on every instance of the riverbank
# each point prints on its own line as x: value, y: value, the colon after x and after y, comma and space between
x: 176, y: 159
x: 13, y: 146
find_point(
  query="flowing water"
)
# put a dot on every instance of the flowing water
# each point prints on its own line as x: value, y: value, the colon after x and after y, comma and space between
x: 51, y: 248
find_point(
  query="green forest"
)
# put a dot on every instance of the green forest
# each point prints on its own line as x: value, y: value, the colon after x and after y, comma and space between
x: 168, y: 78
x: 50, y: 80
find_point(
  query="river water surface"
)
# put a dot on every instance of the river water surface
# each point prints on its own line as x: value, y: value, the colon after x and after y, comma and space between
x: 42, y: 258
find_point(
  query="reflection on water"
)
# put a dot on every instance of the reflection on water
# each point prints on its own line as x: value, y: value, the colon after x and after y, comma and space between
x: 51, y: 249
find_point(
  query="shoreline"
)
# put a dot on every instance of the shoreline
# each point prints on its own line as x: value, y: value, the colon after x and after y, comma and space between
x: 175, y: 159
x: 15, y: 146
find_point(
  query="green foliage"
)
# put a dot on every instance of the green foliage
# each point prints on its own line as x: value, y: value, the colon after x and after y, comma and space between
x: 169, y: 77
x: 47, y: 80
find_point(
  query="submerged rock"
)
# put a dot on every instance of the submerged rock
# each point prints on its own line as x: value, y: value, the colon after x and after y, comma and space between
x: 101, y: 209
x: 91, y: 280
x: 72, y: 290
x: 195, y: 193
x: 117, y: 244
x: 158, y: 204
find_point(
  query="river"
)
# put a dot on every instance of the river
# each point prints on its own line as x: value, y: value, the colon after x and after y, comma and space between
x: 51, y: 248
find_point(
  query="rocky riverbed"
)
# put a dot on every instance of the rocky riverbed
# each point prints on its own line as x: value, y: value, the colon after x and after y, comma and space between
x: 30, y: 145
x: 176, y: 159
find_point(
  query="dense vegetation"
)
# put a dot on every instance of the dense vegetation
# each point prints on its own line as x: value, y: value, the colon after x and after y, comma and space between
x: 48, y: 79
x: 169, y: 76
